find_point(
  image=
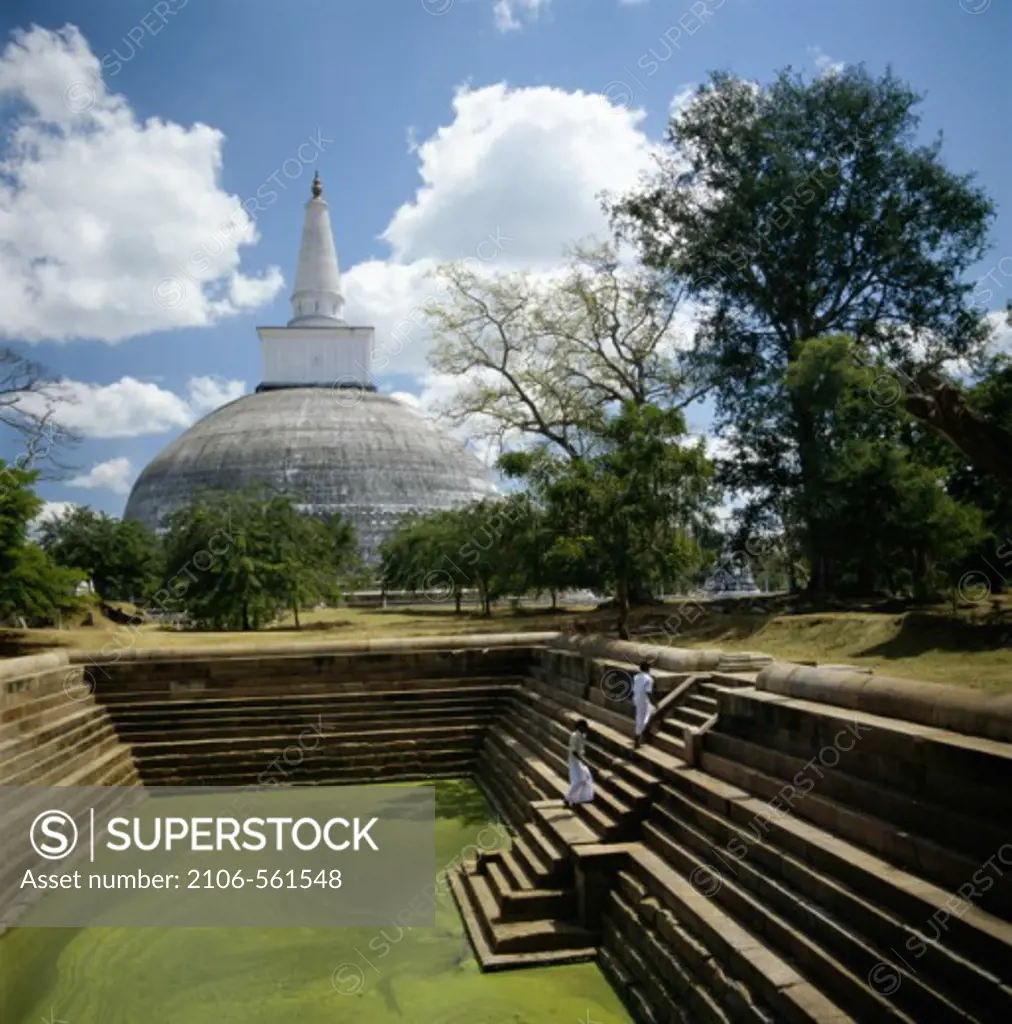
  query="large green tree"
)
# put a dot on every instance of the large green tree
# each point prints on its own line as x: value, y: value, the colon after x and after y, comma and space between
x: 873, y: 508
x: 446, y: 552
x: 123, y: 559
x: 32, y: 585
x: 803, y: 209
x: 236, y: 560
x: 625, y: 511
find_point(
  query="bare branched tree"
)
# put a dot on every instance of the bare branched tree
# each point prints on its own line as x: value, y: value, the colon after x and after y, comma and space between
x: 548, y: 358
x: 29, y: 402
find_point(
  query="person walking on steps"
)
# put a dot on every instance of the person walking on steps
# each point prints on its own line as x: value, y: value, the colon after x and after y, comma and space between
x: 581, y: 782
x: 642, y: 687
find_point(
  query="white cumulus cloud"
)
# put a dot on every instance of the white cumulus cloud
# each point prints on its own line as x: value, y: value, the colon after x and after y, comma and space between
x: 514, y: 178
x: 101, y: 212
x: 132, y: 408
x: 114, y: 475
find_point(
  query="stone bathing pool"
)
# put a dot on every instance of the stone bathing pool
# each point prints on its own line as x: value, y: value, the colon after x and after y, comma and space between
x: 306, y: 975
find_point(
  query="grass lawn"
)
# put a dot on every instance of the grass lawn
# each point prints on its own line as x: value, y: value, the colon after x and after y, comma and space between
x: 927, y: 644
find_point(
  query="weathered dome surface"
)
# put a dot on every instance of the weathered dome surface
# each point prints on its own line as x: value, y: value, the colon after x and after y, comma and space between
x: 361, y: 454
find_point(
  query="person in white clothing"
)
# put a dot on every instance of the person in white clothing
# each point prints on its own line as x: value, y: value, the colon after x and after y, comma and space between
x: 642, y: 687
x: 581, y: 782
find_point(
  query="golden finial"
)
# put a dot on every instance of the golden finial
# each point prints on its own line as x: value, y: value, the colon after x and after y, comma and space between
x: 317, y: 187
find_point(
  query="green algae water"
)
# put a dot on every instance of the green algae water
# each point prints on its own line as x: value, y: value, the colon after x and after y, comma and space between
x: 298, y: 975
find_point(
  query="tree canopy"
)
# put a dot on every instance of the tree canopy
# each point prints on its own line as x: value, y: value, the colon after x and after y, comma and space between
x: 122, y: 559
x: 801, y: 209
x: 236, y: 560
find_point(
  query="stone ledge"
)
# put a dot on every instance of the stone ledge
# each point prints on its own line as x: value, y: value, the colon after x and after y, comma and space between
x: 253, y: 648
x: 31, y: 665
x: 675, y: 659
x: 973, y: 712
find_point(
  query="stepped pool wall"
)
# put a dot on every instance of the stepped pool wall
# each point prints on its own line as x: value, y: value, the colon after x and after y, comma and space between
x: 789, y: 844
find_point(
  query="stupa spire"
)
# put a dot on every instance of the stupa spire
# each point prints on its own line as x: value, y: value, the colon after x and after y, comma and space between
x: 316, y: 297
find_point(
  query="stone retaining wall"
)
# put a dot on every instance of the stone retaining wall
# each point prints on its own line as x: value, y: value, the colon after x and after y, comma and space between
x: 960, y: 709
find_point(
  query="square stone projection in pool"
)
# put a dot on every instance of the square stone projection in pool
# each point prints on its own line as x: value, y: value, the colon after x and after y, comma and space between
x: 319, y: 856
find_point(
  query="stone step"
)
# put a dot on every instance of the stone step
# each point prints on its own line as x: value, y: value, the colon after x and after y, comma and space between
x: 684, y: 714
x: 526, y: 904
x: 967, y: 834
x: 28, y: 695
x: 792, y: 999
x: 272, y: 770
x: 247, y: 730
x: 360, y: 776
x: 854, y: 930
x: 702, y: 701
x: 967, y: 774
x: 63, y: 731
x: 48, y: 765
x: 535, y: 936
x: 314, y: 703
x: 364, y: 739
x: 562, y: 826
x: 27, y: 719
x: 498, y: 787
x: 554, y: 750
x: 550, y: 853
x: 111, y: 767
x: 617, y: 715
x: 308, y: 716
x: 975, y: 935
x: 671, y: 970
x: 667, y: 738
x: 267, y: 688
x: 526, y: 784
x: 642, y: 766
x: 519, y: 878
x: 923, y: 856
x: 605, y: 826
x: 531, y: 864
x: 850, y: 991
x: 568, y: 947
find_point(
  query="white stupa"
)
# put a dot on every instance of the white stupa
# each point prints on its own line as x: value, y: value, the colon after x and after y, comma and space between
x: 316, y: 424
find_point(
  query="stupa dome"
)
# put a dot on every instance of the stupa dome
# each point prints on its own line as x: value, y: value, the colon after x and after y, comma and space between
x: 364, y: 455
x: 317, y: 426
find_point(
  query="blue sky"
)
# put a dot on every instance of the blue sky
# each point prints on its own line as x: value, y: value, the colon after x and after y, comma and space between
x: 436, y: 125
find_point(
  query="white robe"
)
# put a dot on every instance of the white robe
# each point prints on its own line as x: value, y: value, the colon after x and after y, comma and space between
x: 581, y: 783
x: 643, y: 686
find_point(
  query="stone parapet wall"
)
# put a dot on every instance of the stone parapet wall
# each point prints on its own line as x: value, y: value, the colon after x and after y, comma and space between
x: 252, y: 648
x: 960, y: 709
x: 22, y: 680
x: 262, y: 672
x: 674, y: 659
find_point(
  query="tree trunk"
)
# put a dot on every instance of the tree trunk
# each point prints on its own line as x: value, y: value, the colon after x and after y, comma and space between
x: 866, y: 576
x: 921, y: 574
x: 245, y: 615
x: 457, y: 597
x: 555, y: 600
x: 821, y: 580
x: 987, y: 444
x: 622, y: 599
x: 295, y: 613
